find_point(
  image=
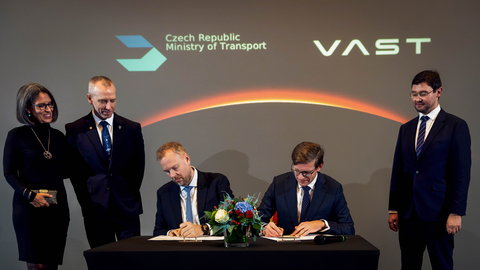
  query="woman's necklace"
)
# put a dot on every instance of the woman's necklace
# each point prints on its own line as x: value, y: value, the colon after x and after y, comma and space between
x: 46, y: 153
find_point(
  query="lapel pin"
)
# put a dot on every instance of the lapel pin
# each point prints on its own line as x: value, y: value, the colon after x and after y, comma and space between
x: 90, y: 127
x: 119, y: 127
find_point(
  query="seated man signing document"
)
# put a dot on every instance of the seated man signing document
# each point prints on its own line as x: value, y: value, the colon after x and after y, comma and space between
x: 306, y: 201
x: 181, y: 203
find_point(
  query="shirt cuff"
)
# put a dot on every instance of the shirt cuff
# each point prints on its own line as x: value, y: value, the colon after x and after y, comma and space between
x: 327, y: 227
x: 392, y: 211
x: 209, y: 229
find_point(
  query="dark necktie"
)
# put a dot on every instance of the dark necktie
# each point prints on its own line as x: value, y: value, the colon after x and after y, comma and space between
x: 421, y: 134
x: 305, y: 203
x: 107, y: 143
x: 189, y: 204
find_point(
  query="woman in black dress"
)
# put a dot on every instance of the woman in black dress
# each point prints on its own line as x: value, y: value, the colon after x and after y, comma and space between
x: 34, y: 160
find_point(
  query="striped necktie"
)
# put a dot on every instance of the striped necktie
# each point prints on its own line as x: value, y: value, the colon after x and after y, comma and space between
x: 421, y: 134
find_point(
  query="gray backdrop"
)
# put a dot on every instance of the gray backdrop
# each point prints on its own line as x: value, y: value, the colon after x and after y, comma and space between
x: 62, y: 44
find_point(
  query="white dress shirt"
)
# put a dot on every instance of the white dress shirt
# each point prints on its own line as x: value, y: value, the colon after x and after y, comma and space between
x: 100, y: 127
x: 431, y: 119
x: 193, y: 196
x: 300, y: 193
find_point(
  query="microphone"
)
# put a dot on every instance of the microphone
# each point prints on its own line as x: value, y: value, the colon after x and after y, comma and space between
x: 328, y: 238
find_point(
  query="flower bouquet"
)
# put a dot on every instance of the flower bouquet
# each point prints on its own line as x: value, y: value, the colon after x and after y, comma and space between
x: 237, y: 219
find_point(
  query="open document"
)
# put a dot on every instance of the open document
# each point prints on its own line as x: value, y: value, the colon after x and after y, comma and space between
x: 175, y: 238
x: 286, y: 238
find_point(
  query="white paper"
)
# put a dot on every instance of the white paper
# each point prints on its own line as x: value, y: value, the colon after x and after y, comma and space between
x: 286, y: 238
x: 174, y: 238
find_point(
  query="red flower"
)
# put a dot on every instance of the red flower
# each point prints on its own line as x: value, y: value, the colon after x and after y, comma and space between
x: 249, y: 214
x: 237, y: 212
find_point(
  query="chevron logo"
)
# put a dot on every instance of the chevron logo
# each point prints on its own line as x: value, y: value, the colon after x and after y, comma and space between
x: 149, y: 62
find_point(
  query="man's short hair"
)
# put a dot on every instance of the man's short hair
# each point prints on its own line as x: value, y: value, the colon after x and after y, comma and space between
x: 176, y: 147
x: 91, y: 84
x: 26, y: 98
x: 430, y: 77
x: 306, y: 152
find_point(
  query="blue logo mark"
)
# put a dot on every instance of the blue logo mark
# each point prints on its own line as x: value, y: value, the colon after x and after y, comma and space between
x: 149, y: 62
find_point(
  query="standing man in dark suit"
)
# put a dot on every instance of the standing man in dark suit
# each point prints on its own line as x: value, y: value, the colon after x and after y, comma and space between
x: 109, y: 165
x: 306, y: 201
x: 430, y: 178
x: 182, y: 202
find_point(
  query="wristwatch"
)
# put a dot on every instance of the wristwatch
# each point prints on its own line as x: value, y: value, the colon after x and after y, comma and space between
x: 205, y: 229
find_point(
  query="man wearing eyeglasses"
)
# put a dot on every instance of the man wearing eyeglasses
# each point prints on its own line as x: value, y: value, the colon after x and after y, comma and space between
x: 430, y: 178
x: 305, y: 200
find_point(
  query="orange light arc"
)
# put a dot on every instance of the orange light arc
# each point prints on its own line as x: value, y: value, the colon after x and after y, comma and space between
x: 274, y: 96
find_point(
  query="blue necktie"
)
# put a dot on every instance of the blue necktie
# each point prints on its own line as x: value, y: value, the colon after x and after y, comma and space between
x: 107, y: 143
x: 189, y: 204
x: 421, y: 134
x: 305, y: 203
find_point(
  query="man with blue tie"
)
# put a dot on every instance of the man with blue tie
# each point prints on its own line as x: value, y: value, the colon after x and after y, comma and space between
x: 305, y: 200
x: 109, y: 163
x: 430, y: 178
x: 181, y: 203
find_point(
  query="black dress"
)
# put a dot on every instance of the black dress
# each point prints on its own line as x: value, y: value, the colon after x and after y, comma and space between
x: 41, y: 232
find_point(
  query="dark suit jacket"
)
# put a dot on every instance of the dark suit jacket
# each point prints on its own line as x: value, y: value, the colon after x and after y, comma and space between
x: 211, y: 188
x: 328, y: 203
x: 96, y: 178
x: 436, y: 183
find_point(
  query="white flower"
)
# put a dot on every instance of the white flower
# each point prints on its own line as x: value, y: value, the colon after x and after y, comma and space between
x: 221, y: 216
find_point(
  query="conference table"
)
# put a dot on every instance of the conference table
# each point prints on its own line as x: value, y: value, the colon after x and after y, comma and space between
x: 140, y: 253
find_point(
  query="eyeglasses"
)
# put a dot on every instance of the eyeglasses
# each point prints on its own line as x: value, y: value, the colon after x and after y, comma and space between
x: 304, y: 174
x: 421, y: 94
x: 43, y: 107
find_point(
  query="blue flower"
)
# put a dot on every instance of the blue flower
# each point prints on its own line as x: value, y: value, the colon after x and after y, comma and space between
x: 243, y: 207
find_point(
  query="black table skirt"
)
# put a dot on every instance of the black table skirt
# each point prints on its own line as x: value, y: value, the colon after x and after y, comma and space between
x: 139, y: 253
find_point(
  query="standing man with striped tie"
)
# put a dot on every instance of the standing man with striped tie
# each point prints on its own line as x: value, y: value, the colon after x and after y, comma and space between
x: 430, y: 178
x: 182, y: 202
x: 109, y: 163
x: 305, y: 200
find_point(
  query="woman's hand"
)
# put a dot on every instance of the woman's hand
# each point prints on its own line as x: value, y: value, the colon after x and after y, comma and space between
x: 39, y: 200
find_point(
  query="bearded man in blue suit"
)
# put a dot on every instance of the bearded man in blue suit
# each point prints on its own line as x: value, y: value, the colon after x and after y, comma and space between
x: 306, y: 201
x: 430, y: 178
x: 182, y: 202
